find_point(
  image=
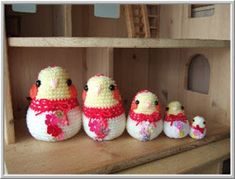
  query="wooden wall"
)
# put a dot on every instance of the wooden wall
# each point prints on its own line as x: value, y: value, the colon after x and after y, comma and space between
x: 164, y: 72
x: 38, y: 24
x: 131, y: 72
x: 176, y: 23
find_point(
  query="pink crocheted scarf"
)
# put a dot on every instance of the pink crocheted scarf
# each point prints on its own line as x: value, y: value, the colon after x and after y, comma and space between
x: 139, y: 117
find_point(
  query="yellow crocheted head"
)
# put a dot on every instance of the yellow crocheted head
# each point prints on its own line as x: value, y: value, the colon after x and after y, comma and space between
x: 145, y: 102
x: 175, y: 107
x: 53, y: 83
x: 101, y: 92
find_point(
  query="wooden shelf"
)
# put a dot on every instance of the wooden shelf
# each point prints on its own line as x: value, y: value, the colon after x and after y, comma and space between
x: 81, y: 154
x: 114, y: 42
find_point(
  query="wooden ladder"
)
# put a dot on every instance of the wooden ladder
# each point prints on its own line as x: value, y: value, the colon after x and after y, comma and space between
x: 141, y: 20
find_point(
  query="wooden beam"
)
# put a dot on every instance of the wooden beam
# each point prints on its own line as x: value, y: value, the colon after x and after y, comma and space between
x: 114, y: 42
x: 9, y: 130
x: 62, y: 20
x: 129, y: 20
x: 145, y: 20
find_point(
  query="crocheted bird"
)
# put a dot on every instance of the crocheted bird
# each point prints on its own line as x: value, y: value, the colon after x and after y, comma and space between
x: 54, y: 112
x: 198, y: 128
x: 103, y: 113
x: 144, y: 121
x: 176, y: 124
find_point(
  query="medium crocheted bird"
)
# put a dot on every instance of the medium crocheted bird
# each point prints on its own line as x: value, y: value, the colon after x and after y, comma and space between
x: 103, y: 113
x: 176, y: 124
x: 198, y: 128
x: 54, y: 113
x: 144, y: 121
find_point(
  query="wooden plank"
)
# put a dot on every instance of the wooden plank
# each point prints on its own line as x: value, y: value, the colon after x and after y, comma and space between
x: 131, y: 72
x: 195, y: 161
x: 81, y: 154
x: 129, y: 20
x: 145, y: 20
x: 114, y: 42
x: 163, y: 78
x: 62, y: 20
x: 171, y: 21
x: 9, y: 130
x: 80, y: 20
x: 99, y: 60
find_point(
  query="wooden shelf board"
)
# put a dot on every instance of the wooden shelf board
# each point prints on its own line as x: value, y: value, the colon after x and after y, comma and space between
x: 81, y: 154
x: 114, y: 42
x: 180, y: 164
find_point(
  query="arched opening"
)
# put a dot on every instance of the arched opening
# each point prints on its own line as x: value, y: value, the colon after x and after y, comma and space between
x: 199, y: 74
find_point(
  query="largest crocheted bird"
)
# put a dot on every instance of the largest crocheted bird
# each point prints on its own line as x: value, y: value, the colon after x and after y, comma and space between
x: 54, y: 112
x: 103, y: 113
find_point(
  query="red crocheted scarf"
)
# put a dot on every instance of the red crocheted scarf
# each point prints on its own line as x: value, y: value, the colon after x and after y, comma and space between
x: 44, y: 105
x: 172, y: 118
x: 139, y: 117
x: 103, y: 113
x: 198, y: 128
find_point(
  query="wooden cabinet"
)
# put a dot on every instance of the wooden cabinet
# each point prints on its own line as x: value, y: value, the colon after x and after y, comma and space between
x: 86, y: 45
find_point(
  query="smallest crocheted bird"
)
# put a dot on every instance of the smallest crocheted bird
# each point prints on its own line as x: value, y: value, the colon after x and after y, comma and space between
x: 144, y: 121
x: 176, y: 124
x: 198, y: 128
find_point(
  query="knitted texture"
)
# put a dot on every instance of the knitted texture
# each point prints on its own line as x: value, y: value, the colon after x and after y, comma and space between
x: 144, y: 121
x: 57, y: 75
x: 198, y: 128
x: 116, y: 127
x: 54, y: 112
x: 100, y: 84
x: 176, y: 124
x: 103, y: 113
x: 39, y: 129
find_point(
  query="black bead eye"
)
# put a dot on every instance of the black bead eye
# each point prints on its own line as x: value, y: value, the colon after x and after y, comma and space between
x: 38, y: 83
x: 156, y: 103
x: 204, y: 122
x: 112, y: 87
x: 193, y: 120
x: 69, y: 82
x: 86, y: 88
x: 182, y: 107
x: 137, y: 101
x: 167, y: 108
